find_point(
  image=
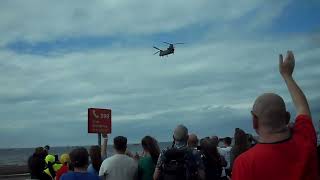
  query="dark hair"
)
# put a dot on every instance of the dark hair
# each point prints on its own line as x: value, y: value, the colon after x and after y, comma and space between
x: 209, y: 149
x: 202, y: 141
x: 95, y: 156
x: 215, y: 140
x: 36, y: 162
x: 240, y: 143
x: 40, y: 152
x: 151, y: 145
x: 120, y: 143
x: 227, y: 140
x: 79, y: 157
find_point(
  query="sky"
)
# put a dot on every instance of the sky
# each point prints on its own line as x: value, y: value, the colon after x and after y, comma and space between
x: 59, y: 58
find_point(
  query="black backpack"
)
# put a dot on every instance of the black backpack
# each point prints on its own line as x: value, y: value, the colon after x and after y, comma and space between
x: 178, y: 164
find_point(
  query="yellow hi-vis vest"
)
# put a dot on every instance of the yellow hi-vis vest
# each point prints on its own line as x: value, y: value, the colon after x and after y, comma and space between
x: 51, y: 159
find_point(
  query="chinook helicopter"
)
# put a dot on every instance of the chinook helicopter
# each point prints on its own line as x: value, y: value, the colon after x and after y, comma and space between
x: 166, y: 52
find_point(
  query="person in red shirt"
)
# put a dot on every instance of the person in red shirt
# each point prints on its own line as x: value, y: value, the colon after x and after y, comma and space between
x: 65, y: 160
x: 282, y: 153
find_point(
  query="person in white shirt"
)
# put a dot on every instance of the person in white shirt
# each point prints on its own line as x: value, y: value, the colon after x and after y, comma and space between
x: 225, y: 152
x: 119, y: 166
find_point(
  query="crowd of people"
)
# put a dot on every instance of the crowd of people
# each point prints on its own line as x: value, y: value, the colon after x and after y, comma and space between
x: 206, y: 160
x: 282, y: 150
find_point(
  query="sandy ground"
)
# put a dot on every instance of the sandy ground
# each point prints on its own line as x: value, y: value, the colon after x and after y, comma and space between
x: 13, y: 169
x: 16, y: 177
x: 14, y: 172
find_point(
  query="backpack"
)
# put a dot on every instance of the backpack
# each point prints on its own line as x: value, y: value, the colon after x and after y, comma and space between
x: 213, y: 169
x: 178, y: 164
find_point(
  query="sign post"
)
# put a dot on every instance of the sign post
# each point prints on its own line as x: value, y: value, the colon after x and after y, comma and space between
x: 99, y: 121
x: 99, y: 139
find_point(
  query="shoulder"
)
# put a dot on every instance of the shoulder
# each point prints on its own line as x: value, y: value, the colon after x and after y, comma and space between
x: 226, y: 148
x: 145, y: 159
x: 91, y: 169
x: 67, y: 176
x: 249, y: 155
x: 241, y: 167
x: 163, y: 152
x: 303, y: 117
x: 303, y: 121
x: 63, y: 169
x: 242, y: 162
x: 304, y: 128
x: 105, y: 163
x: 196, y: 153
x: 224, y: 151
x: 109, y: 159
x: 132, y: 161
x: 93, y: 176
x: 221, y: 151
x: 125, y: 160
x: 162, y: 157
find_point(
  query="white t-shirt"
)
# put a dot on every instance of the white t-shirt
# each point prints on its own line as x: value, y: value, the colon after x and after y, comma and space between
x: 225, y: 152
x: 119, y: 167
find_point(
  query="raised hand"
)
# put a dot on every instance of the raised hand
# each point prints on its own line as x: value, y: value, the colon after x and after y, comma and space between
x: 105, y: 136
x: 104, y: 145
x: 286, y: 67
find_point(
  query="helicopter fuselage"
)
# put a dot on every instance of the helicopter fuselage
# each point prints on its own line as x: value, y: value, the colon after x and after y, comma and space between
x: 168, y: 51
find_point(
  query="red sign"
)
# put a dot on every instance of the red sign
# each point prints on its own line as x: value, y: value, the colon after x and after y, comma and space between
x: 99, y: 120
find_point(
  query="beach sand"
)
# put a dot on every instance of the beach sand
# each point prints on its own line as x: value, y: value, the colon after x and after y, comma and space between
x: 16, y: 177
x: 14, y: 172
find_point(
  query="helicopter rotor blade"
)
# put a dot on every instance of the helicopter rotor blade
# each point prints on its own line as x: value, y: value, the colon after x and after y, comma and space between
x: 156, y: 52
x: 167, y: 43
x: 156, y: 48
x: 178, y: 43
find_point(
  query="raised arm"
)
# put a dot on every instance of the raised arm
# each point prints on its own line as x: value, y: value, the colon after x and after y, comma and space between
x: 104, y: 146
x: 286, y: 68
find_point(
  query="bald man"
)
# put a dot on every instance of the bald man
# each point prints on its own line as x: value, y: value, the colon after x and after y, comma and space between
x: 282, y: 152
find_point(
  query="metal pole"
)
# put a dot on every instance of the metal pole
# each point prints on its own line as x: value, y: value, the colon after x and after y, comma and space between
x: 99, y: 139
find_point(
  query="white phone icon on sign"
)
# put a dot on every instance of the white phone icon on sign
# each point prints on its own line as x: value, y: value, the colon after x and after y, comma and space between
x: 94, y: 114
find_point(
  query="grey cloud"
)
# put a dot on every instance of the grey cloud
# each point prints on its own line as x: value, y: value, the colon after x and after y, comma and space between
x: 208, y: 85
x: 49, y: 20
